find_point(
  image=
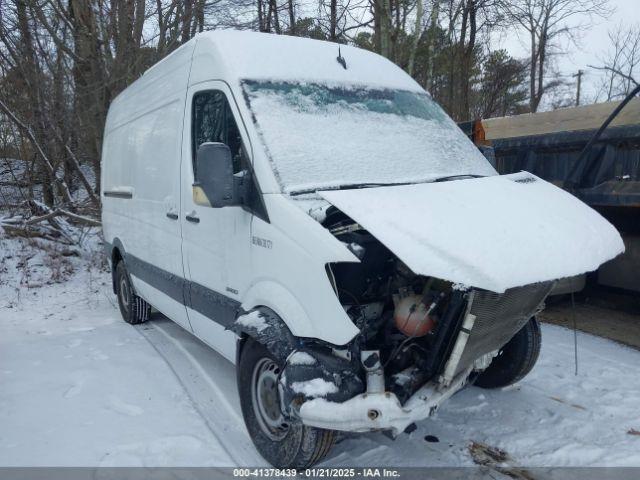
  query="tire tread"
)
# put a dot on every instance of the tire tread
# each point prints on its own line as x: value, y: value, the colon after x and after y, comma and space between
x: 520, y: 355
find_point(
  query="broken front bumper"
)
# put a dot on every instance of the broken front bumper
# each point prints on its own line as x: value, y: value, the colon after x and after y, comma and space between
x: 379, y: 411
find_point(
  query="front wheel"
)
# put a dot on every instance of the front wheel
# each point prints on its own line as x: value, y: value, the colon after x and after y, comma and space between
x: 515, y: 360
x: 283, y: 442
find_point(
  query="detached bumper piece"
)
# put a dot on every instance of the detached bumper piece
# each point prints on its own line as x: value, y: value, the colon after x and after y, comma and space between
x: 379, y: 411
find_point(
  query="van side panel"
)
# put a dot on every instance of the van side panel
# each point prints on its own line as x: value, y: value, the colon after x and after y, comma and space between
x: 141, y: 156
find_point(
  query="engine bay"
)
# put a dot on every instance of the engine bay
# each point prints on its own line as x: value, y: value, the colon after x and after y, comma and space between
x: 410, y: 319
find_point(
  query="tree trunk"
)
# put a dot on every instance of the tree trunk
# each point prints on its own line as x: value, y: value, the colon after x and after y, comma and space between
x: 433, y: 24
x: 276, y: 20
x: 186, y: 20
x: 383, y: 12
x: 292, y: 17
x: 542, y: 58
x: 416, y: 36
x: 532, y: 73
x: 333, y: 20
x: 92, y: 94
x: 34, y: 95
x: 468, y: 60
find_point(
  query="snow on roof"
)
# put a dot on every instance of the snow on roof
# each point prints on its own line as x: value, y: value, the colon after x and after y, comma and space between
x: 252, y: 55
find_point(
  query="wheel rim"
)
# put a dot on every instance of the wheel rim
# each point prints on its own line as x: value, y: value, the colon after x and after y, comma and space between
x: 265, y: 398
x: 124, y: 293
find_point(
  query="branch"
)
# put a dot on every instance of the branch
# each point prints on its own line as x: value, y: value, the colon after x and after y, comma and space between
x: 76, y: 164
x: 617, y: 72
x: 80, y: 218
x: 45, y: 160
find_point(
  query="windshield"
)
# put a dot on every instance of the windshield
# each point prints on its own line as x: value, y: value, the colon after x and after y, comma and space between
x: 322, y: 137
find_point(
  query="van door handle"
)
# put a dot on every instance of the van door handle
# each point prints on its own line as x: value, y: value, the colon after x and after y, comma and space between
x: 172, y: 215
x: 191, y: 217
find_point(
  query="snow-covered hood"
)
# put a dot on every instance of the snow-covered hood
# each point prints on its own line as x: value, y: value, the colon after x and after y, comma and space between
x: 494, y: 232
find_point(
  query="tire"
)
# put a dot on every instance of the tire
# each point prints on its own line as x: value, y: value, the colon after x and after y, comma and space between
x: 134, y: 310
x: 515, y: 360
x: 283, y: 442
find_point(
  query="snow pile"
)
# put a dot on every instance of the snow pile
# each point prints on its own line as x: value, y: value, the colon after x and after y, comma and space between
x: 317, y: 387
x: 493, y: 233
x: 320, y: 142
x: 253, y: 320
x: 301, y: 358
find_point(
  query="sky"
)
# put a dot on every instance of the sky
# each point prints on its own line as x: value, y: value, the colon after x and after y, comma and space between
x: 592, y: 46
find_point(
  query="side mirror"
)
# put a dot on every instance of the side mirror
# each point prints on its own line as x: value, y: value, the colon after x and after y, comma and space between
x: 216, y: 185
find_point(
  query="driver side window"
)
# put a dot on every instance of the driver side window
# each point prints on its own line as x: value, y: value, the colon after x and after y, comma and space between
x: 212, y: 121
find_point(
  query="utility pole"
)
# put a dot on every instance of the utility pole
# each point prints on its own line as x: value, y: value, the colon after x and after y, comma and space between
x: 579, y: 75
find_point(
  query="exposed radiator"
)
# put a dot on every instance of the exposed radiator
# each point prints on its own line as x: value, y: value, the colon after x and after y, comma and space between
x: 499, y: 316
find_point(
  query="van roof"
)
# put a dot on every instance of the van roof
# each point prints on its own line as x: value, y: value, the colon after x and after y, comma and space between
x: 233, y: 56
x: 253, y: 55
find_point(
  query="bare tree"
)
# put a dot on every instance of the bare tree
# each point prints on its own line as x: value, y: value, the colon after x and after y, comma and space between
x: 621, y: 63
x: 62, y: 62
x: 547, y: 22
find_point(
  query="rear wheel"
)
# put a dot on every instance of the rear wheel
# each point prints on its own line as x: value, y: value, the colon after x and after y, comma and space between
x: 133, y: 309
x: 515, y: 360
x: 283, y: 442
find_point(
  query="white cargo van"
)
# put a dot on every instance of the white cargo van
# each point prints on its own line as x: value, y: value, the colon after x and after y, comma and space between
x: 311, y: 213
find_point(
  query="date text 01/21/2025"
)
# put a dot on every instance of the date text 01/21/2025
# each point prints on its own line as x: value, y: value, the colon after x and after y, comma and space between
x: 317, y: 472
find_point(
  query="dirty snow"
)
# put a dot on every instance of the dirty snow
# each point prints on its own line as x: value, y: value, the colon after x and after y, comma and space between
x: 493, y: 233
x: 301, y: 358
x: 321, y: 137
x: 82, y: 388
x: 317, y: 387
x: 254, y: 320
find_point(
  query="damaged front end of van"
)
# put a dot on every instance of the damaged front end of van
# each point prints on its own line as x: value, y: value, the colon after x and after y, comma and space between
x: 442, y: 297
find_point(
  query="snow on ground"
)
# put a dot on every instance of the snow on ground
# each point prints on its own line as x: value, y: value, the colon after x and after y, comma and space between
x: 80, y: 387
x: 77, y: 386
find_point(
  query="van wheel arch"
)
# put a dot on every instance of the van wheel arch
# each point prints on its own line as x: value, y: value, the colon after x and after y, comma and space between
x: 116, y: 257
x: 277, y: 337
x: 116, y: 254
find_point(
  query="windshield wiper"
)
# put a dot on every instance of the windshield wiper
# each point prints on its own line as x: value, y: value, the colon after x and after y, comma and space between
x: 352, y: 186
x: 347, y: 186
x: 454, y: 177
